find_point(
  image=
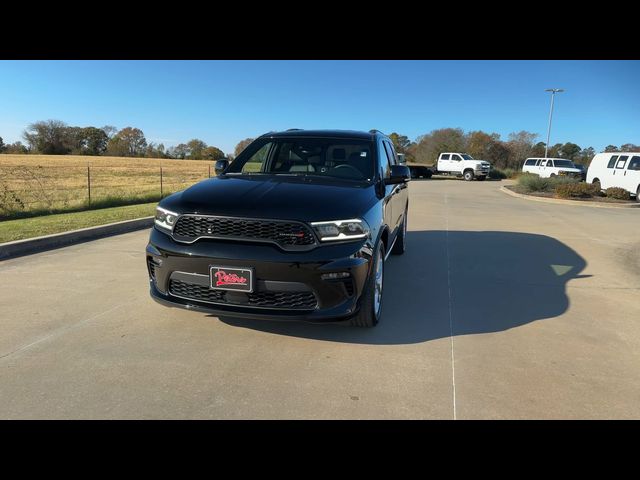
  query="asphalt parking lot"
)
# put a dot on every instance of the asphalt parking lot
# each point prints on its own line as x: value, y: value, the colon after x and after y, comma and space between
x: 501, y: 308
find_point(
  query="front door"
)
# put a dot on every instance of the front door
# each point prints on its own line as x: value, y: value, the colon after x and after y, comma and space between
x: 632, y: 174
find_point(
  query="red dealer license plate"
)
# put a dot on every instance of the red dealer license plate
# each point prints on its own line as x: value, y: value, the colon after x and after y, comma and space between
x: 231, y: 278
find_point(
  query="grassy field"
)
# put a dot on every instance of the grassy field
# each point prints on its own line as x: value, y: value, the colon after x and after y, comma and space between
x: 33, y: 185
x: 11, y: 230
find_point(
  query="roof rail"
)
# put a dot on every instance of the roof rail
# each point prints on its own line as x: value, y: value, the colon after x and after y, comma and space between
x: 375, y: 130
x: 292, y: 129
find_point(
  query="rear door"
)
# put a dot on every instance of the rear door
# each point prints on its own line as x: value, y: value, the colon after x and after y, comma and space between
x: 444, y: 162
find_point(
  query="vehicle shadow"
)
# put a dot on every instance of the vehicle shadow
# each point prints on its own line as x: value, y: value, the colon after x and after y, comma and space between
x: 475, y: 282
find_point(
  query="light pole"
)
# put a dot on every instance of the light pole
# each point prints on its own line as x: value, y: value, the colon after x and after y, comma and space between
x: 553, y: 93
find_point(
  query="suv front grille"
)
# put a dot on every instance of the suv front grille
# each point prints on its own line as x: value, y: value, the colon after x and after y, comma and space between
x: 267, y: 299
x: 289, y: 235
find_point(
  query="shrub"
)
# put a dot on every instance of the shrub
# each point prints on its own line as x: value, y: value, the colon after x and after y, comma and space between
x: 497, y: 174
x: 576, y: 190
x: 617, y: 193
x: 501, y: 174
x: 531, y: 182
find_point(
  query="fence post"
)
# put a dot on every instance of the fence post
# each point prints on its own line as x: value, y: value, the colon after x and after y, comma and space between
x: 89, y: 183
x: 209, y: 171
x: 161, y: 193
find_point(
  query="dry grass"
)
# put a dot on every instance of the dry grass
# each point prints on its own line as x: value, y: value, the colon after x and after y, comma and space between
x: 39, y: 184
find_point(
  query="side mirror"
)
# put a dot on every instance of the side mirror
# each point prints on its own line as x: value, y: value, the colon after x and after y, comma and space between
x: 399, y: 174
x: 221, y: 165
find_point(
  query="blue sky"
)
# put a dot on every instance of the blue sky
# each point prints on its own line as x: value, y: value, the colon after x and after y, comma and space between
x: 223, y: 102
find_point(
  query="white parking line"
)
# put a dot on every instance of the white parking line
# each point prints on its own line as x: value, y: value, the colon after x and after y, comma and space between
x: 453, y: 361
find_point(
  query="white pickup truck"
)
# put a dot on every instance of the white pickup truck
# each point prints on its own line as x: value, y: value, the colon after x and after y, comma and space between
x: 459, y: 164
x: 462, y: 165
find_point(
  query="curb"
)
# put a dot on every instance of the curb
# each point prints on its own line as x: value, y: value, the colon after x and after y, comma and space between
x: 28, y: 246
x: 568, y: 202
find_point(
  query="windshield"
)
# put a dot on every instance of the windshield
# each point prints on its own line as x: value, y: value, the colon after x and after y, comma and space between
x: 564, y: 163
x: 467, y: 157
x: 350, y: 159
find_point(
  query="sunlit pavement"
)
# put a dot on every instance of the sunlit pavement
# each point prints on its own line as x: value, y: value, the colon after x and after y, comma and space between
x: 501, y: 308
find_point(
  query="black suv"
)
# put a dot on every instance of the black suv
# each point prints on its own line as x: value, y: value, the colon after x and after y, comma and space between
x: 297, y: 227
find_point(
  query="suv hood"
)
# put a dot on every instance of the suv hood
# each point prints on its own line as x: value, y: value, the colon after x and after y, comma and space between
x: 301, y: 198
x: 482, y: 163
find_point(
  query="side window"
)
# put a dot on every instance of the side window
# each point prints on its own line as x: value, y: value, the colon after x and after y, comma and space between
x: 457, y: 158
x: 390, y: 153
x: 444, y: 156
x: 256, y: 162
x: 622, y: 161
x: 385, y: 162
x: 549, y: 163
x: 612, y: 161
x: 530, y: 162
x: 634, y: 164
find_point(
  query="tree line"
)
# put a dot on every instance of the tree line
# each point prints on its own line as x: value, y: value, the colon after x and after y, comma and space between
x: 489, y: 146
x: 54, y: 137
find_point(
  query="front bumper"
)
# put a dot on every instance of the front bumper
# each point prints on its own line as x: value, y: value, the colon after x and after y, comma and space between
x: 481, y: 172
x: 170, y: 262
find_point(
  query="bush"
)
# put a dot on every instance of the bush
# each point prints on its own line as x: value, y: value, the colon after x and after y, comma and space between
x: 500, y: 174
x: 617, y: 193
x: 576, y: 190
x: 531, y: 182
x: 497, y: 174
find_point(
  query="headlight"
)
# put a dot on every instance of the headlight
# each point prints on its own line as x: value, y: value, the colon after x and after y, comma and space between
x: 341, y: 229
x: 165, y: 219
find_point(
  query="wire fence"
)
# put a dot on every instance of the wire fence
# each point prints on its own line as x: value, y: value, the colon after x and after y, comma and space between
x: 31, y: 190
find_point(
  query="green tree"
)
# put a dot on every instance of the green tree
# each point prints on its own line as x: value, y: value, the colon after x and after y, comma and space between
x: 94, y: 141
x: 611, y: 148
x: 569, y: 151
x: 49, y: 137
x: 128, y: 142
x: 213, y: 153
x: 242, y: 144
x: 1, y: 145
x: 629, y: 147
x: 16, y: 147
x: 180, y: 151
x: 196, y: 149
x: 400, y: 142
x: 538, y: 149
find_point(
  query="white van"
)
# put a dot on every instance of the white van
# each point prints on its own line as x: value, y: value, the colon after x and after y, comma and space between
x: 616, y: 169
x: 551, y: 167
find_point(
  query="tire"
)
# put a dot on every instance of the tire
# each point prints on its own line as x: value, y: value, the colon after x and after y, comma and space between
x: 468, y: 175
x: 369, y: 314
x: 552, y: 175
x: 638, y: 194
x: 401, y: 241
x: 482, y: 178
x: 429, y: 174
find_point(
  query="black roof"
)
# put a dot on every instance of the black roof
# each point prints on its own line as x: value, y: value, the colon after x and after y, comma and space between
x: 295, y: 132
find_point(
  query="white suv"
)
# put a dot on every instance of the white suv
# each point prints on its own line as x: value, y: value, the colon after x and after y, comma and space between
x: 551, y: 167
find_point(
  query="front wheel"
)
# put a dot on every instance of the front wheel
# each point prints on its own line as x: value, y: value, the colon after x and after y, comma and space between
x: 371, y: 301
x: 468, y: 175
